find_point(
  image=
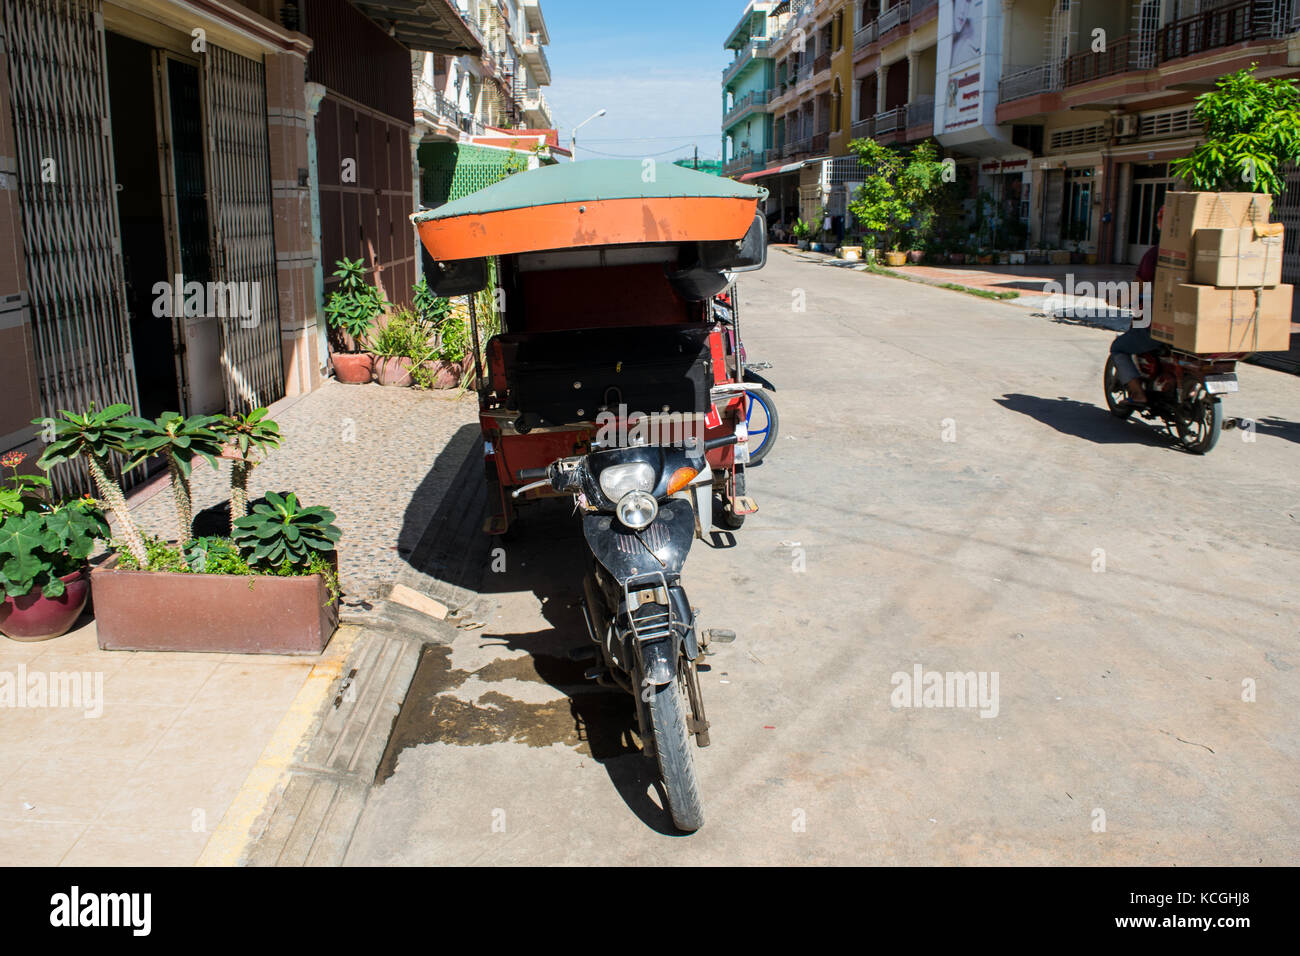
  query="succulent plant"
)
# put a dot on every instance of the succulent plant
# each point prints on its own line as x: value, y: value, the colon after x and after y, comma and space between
x: 96, y: 436
x: 244, y: 435
x: 180, y: 440
x: 280, y: 530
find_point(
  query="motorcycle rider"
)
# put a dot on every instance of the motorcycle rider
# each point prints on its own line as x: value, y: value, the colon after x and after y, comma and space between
x: 1137, y: 340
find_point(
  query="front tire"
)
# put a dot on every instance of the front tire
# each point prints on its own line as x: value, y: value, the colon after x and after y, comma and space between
x: 668, y: 706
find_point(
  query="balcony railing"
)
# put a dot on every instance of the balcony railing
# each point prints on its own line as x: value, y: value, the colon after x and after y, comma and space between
x: 920, y: 111
x: 865, y: 36
x: 758, y: 46
x: 1120, y: 56
x: 822, y: 63
x: 863, y: 128
x: 891, y: 120
x: 820, y: 142
x: 741, y: 162
x: 920, y: 6
x: 1221, y: 26
x: 532, y: 47
x: 1021, y: 82
x: 894, y: 17
x: 429, y: 100
x: 748, y: 101
x: 798, y: 147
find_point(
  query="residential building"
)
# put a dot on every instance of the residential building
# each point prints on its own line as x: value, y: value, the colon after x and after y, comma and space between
x: 483, y: 111
x: 747, y: 81
x: 174, y: 175
x: 842, y: 69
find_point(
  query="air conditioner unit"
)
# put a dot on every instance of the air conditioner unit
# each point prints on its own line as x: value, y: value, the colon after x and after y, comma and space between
x: 1126, y: 125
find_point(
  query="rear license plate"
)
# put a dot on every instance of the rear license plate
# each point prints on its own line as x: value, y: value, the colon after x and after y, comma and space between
x: 1218, y: 384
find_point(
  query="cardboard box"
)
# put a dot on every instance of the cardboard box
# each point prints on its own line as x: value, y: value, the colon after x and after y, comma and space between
x: 1235, y: 258
x: 1204, y: 319
x: 1185, y: 213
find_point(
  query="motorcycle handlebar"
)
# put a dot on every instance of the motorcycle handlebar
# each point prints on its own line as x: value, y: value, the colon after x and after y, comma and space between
x: 713, y: 443
x: 531, y: 474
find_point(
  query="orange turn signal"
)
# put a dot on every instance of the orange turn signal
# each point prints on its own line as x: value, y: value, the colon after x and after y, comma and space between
x: 681, y: 478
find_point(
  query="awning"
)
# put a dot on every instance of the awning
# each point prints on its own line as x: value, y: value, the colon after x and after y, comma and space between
x: 759, y: 174
x: 433, y: 25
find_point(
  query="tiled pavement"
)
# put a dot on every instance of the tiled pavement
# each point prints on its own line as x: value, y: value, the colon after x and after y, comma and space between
x: 187, y: 742
x: 380, y: 458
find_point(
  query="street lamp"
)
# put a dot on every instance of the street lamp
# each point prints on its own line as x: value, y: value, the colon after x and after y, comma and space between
x: 573, y: 138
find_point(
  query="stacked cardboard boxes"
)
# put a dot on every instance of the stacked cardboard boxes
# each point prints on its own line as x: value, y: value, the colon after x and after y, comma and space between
x: 1218, y: 278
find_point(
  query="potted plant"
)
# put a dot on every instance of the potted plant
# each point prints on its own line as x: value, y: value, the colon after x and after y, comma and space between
x: 271, y: 586
x: 446, y: 367
x: 351, y: 313
x: 246, y: 437
x: 802, y: 233
x: 957, y: 258
x: 898, y: 195
x: 43, y: 556
x: 396, y: 349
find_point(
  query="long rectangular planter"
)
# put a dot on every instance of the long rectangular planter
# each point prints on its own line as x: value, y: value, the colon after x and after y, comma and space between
x: 219, y: 613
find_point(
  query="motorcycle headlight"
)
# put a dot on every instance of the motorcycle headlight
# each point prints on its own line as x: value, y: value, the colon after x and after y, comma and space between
x: 617, y: 480
x: 636, y: 509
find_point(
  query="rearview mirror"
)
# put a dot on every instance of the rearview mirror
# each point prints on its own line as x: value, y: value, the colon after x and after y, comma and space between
x: 748, y: 254
x: 456, y: 276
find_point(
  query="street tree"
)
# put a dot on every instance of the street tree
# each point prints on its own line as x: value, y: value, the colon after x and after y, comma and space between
x: 1252, y: 129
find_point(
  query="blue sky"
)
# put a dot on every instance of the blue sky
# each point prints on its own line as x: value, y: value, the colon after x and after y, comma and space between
x: 656, y: 67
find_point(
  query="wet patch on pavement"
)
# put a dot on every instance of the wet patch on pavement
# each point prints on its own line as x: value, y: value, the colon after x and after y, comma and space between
x: 588, y: 718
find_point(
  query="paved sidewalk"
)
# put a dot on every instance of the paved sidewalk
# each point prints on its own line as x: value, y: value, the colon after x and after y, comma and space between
x: 176, y: 759
x: 380, y: 458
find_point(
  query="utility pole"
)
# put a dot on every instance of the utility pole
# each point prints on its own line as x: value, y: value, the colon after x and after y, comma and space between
x: 697, y: 156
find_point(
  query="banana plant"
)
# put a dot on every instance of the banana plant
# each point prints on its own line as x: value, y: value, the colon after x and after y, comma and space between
x: 95, y: 437
x: 280, y: 530
x: 180, y: 440
x: 245, y: 435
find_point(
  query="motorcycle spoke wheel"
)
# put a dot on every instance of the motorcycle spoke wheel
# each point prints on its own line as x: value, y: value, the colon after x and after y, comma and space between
x: 1200, y: 429
x: 761, y: 422
x: 1115, y: 392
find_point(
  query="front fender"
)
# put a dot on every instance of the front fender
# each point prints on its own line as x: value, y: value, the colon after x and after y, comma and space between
x: 658, y: 658
x: 662, y: 546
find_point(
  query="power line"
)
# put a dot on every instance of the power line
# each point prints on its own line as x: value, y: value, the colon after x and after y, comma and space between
x: 675, y: 149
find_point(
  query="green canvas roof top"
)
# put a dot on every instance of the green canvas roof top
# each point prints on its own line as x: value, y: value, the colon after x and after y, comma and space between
x: 589, y: 181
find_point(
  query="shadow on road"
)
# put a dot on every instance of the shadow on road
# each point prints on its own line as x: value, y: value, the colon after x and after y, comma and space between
x: 544, y: 554
x: 1084, y: 420
x: 1278, y: 428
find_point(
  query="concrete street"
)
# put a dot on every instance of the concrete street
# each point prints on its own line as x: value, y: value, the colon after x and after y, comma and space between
x: 948, y: 492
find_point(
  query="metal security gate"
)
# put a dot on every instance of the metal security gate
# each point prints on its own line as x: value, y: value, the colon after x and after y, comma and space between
x: 243, y: 241
x: 70, y: 230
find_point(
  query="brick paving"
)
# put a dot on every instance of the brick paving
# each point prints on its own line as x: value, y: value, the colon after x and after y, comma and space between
x: 380, y: 458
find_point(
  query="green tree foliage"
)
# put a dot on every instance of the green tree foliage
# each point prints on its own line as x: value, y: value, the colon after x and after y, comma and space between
x: 899, y: 194
x: 1252, y: 129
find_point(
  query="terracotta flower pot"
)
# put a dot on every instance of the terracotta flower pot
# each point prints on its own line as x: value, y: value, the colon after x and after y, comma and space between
x: 354, y: 368
x: 957, y: 258
x: 34, y: 617
x: 224, y: 613
x: 393, y: 371
x: 914, y: 256
x: 445, y: 374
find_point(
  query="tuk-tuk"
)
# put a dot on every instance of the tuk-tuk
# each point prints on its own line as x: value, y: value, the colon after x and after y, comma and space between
x: 617, y: 378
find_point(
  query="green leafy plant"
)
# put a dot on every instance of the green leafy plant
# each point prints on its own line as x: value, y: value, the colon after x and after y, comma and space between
x: 179, y: 440
x: 801, y: 229
x: 20, y: 493
x: 353, y: 306
x: 455, y: 344
x: 281, y: 530
x: 95, y: 437
x: 898, y: 196
x: 1252, y: 129
x: 430, y: 309
x: 37, y: 548
x: 245, y: 437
